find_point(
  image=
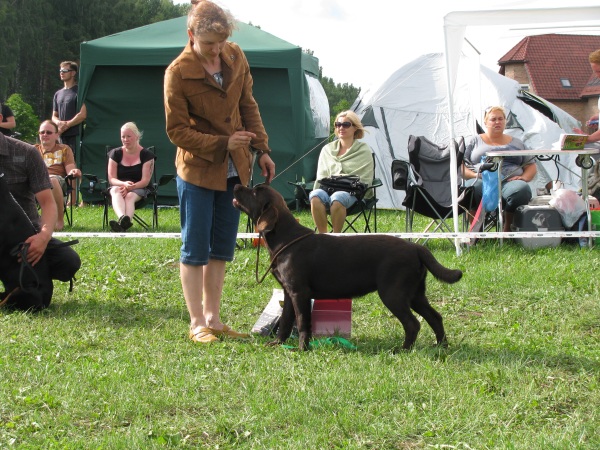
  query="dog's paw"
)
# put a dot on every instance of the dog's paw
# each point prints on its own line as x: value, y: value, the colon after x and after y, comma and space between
x: 442, y: 344
x: 274, y: 343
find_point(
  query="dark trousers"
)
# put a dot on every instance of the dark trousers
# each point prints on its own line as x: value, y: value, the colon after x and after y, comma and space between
x: 71, y: 141
x: 63, y: 262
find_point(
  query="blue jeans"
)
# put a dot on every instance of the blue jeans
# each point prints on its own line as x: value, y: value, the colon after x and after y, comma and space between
x: 209, y: 223
x: 345, y: 199
x: 514, y: 193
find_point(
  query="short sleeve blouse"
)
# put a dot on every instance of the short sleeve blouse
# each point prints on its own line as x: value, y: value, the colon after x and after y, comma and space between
x: 130, y: 173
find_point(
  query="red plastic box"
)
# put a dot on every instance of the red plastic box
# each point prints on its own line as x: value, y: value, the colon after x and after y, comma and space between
x: 332, y: 317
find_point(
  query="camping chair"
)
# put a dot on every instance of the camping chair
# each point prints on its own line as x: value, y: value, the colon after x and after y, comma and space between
x: 366, y: 208
x: 102, y: 185
x: 426, y: 180
x: 68, y: 205
x: 67, y: 208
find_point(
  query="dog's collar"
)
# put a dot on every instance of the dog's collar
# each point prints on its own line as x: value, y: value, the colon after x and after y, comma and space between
x: 274, y: 257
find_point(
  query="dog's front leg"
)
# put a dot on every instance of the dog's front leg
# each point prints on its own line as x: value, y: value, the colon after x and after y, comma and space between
x: 286, y: 322
x: 303, y: 309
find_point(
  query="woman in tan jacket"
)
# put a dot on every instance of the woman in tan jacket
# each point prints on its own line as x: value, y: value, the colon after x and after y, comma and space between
x: 215, y: 123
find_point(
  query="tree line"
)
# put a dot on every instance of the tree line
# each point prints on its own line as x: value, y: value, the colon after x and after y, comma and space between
x: 36, y: 35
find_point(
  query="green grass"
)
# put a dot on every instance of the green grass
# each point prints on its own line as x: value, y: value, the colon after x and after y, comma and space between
x: 109, y: 365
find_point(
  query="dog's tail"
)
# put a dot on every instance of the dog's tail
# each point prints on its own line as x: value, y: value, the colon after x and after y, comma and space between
x: 437, y: 270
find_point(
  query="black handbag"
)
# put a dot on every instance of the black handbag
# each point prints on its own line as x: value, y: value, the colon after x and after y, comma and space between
x: 347, y: 183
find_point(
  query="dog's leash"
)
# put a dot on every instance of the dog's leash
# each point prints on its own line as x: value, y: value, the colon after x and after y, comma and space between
x: 303, y: 156
x: 274, y: 257
x: 21, y: 250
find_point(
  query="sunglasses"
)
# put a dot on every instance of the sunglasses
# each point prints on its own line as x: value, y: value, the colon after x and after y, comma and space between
x: 343, y: 124
x: 46, y: 132
x: 66, y: 70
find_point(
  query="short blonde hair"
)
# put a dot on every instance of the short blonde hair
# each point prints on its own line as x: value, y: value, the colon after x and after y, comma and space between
x: 131, y: 126
x: 595, y: 57
x: 359, y: 133
x: 492, y: 109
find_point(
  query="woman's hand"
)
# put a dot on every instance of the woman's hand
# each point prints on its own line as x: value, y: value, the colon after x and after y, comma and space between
x: 125, y: 188
x: 529, y: 172
x: 267, y: 167
x: 240, y: 140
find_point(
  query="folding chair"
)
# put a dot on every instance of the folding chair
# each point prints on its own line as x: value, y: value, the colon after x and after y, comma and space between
x: 366, y: 208
x: 102, y: 185
x: 68, y: 206
x: 426, y: 180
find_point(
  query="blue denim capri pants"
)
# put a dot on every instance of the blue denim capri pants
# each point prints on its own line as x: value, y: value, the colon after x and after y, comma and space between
x: 343, y: 197
x: 209, y: 223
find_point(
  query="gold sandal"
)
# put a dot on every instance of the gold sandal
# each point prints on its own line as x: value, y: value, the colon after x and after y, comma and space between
x: 204, y: 336
x: 227, y: 331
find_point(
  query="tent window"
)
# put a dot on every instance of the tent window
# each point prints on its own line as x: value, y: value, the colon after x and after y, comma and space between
x: 566, y: 83
x: 319, y: 106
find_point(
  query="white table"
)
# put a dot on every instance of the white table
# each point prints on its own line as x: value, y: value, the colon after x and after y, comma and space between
x: 583, y: 160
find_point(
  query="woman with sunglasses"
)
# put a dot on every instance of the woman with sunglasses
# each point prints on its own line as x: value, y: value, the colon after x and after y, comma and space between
x: 60, y: 162
x: 344, y: 156
x: 517, y: 171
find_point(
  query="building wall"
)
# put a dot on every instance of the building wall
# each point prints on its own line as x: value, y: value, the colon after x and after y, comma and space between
x: 518, y: 73
x: 582, y: 110
x: 578, y: 109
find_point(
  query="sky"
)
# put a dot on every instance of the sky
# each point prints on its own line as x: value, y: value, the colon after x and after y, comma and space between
x: 364, y: 42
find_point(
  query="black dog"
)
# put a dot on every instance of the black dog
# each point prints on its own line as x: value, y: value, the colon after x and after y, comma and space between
x: 26, y: 287
x: 309, y: 265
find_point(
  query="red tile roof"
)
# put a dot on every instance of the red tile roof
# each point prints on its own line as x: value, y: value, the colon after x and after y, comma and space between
x: 548, y: 58
x: 592, y: 89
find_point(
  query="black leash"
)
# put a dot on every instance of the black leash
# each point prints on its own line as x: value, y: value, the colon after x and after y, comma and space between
x: 303, y: 156
x: 21, y: 250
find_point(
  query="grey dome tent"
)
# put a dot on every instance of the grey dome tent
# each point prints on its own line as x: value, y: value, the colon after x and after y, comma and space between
x: 121, y: 80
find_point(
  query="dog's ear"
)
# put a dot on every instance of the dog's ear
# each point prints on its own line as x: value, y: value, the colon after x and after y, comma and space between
x: 267, y: 220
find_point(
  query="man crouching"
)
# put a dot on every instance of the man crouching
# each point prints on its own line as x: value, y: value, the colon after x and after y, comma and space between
x: 26, y: 244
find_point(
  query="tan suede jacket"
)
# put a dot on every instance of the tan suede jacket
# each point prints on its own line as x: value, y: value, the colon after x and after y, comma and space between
x: 201, y: 116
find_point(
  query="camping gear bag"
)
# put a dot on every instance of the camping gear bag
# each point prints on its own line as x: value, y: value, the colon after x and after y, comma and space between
x: 347, y: 183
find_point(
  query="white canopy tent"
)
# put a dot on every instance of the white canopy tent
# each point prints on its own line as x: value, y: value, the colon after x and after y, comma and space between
x: 413, y: 101
x: 455, y: 24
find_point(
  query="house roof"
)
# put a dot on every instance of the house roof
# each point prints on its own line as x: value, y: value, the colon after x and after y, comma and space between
x: 592, y: 88
x: 549, y: 59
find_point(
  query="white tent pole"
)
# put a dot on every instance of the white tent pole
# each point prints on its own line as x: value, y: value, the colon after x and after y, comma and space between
x: 451, y: 75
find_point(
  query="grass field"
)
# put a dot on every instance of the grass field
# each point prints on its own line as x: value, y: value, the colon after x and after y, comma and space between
x: 109, y: 365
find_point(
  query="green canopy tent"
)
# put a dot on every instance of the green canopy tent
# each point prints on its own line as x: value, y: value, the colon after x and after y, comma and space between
x: 121, y: 80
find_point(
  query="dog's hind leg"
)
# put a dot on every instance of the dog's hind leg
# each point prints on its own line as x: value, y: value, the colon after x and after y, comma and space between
x: 401, y: 310
x: 422, y: 307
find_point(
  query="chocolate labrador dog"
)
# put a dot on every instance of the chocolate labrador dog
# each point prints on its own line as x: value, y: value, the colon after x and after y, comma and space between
x: 309, y: 265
